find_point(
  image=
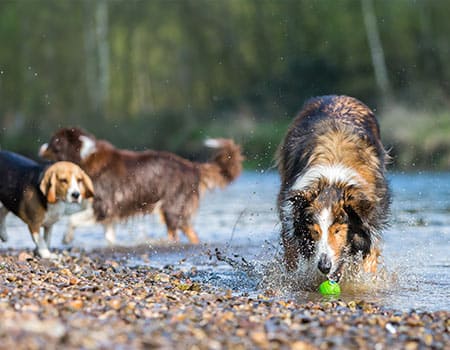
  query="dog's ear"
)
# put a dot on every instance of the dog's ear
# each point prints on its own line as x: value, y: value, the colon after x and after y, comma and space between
x: 358, y: 208
x: 297, y: 198
x: 48, y: 186
x: 358, y: 235
x: 88, y: 185
x: 302, y: 198
x: 299, y: 202
x: 43, y: 150
x: 87, y: 146
x: 358, y: 202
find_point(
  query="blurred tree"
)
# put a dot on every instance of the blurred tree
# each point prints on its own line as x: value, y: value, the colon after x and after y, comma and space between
x: 376, y: 50
x: 97, y: 55
x: 163, y: 73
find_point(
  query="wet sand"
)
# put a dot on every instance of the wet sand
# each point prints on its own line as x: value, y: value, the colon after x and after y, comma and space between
x: 95, y: 300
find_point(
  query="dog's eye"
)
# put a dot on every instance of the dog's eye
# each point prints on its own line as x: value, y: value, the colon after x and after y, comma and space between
x: 339, y: 230
x: 64, y: 181
x: 315, y: 232
x: 315, y: 235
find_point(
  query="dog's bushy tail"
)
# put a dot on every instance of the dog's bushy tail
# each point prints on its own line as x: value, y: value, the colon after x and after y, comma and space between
x: 224, y: 166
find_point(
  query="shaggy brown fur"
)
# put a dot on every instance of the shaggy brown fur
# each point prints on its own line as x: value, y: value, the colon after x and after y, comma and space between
x: 129, y: 183
x: 332, y: 168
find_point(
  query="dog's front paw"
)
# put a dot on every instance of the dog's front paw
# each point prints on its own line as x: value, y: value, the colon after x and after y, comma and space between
x: 110, y: 238
x: 46, y: 254
x: 110, y: 241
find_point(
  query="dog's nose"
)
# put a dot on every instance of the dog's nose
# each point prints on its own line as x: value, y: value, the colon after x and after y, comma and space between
x: 75, y: 195
x: 324, y: 264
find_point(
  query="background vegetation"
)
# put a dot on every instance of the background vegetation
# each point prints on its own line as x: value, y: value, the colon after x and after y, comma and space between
x: 165, y: 74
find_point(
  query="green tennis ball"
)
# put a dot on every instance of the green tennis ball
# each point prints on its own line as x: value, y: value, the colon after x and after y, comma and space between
x: 329, y: 288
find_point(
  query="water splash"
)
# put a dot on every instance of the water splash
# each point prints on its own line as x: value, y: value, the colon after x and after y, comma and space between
x: 271, y: 278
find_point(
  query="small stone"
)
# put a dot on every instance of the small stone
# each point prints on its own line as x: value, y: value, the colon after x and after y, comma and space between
x: 428, y: 339
x: 75, y: 305
x: 352, y: 305
x: 302, y: 345
x: 66, y: 272
x: 411, y: 345
x: 162, y: 277
x: 24, y: 256
x: 390, y: 328
x: 115, y: 304
x: 259, y: 338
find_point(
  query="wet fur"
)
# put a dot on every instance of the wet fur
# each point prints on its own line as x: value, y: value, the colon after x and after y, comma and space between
x: 331, y: 161
x: 130, y: 183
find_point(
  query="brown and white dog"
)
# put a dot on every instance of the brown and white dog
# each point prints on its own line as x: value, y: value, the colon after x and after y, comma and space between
x: 128, y: 183
x: 334, y: 199
x: 38, y: 193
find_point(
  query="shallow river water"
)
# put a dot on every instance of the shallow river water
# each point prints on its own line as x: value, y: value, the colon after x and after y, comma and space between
x: 241, y: 222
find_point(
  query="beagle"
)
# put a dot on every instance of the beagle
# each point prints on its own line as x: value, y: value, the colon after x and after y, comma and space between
x: 37, y: 194
x: 129, y: 183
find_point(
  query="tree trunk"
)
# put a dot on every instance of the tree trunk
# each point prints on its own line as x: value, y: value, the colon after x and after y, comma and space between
x: 90, y: 57
x: 376, y: 50
x: 101, y: 22
x: 96, y: 48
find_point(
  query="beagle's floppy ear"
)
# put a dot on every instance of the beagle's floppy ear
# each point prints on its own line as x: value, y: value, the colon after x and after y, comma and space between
x: 48, y: 186
x: 88, y: 186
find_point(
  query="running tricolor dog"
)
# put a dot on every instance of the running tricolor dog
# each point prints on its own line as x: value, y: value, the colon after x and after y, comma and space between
x: 334, y: 199
x: 129, y: 183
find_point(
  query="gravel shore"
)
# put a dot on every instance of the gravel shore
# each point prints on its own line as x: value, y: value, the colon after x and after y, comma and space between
x: 95, y: 301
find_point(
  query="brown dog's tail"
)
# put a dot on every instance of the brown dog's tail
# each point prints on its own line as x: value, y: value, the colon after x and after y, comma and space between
x: 224, y: 166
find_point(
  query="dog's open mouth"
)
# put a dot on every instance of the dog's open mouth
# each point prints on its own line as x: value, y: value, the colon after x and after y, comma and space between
x: 337, y: 273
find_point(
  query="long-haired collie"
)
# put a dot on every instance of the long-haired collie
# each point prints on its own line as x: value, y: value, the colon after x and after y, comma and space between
x: 334, y: 199
x: 128, y: 183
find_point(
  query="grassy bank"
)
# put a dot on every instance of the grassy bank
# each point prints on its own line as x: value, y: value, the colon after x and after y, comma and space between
x: 416, y: 139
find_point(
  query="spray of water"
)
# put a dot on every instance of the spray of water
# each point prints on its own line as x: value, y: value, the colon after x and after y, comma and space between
x: 271, y: 277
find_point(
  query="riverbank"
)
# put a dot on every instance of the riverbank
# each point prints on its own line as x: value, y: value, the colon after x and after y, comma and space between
x: 94, y: 300
x: 417, y: 139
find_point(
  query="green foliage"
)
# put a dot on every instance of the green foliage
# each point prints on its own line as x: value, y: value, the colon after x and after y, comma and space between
x: 418, y: 139
x: 162, y: 74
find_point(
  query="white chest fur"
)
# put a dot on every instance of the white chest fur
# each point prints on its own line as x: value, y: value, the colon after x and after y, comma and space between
x: 54, y: 212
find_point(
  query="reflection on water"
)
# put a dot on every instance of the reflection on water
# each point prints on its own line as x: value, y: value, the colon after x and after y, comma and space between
x: 241, y: 221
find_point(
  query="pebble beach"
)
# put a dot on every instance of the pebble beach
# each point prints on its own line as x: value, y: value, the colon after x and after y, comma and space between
x: 93, y: 300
